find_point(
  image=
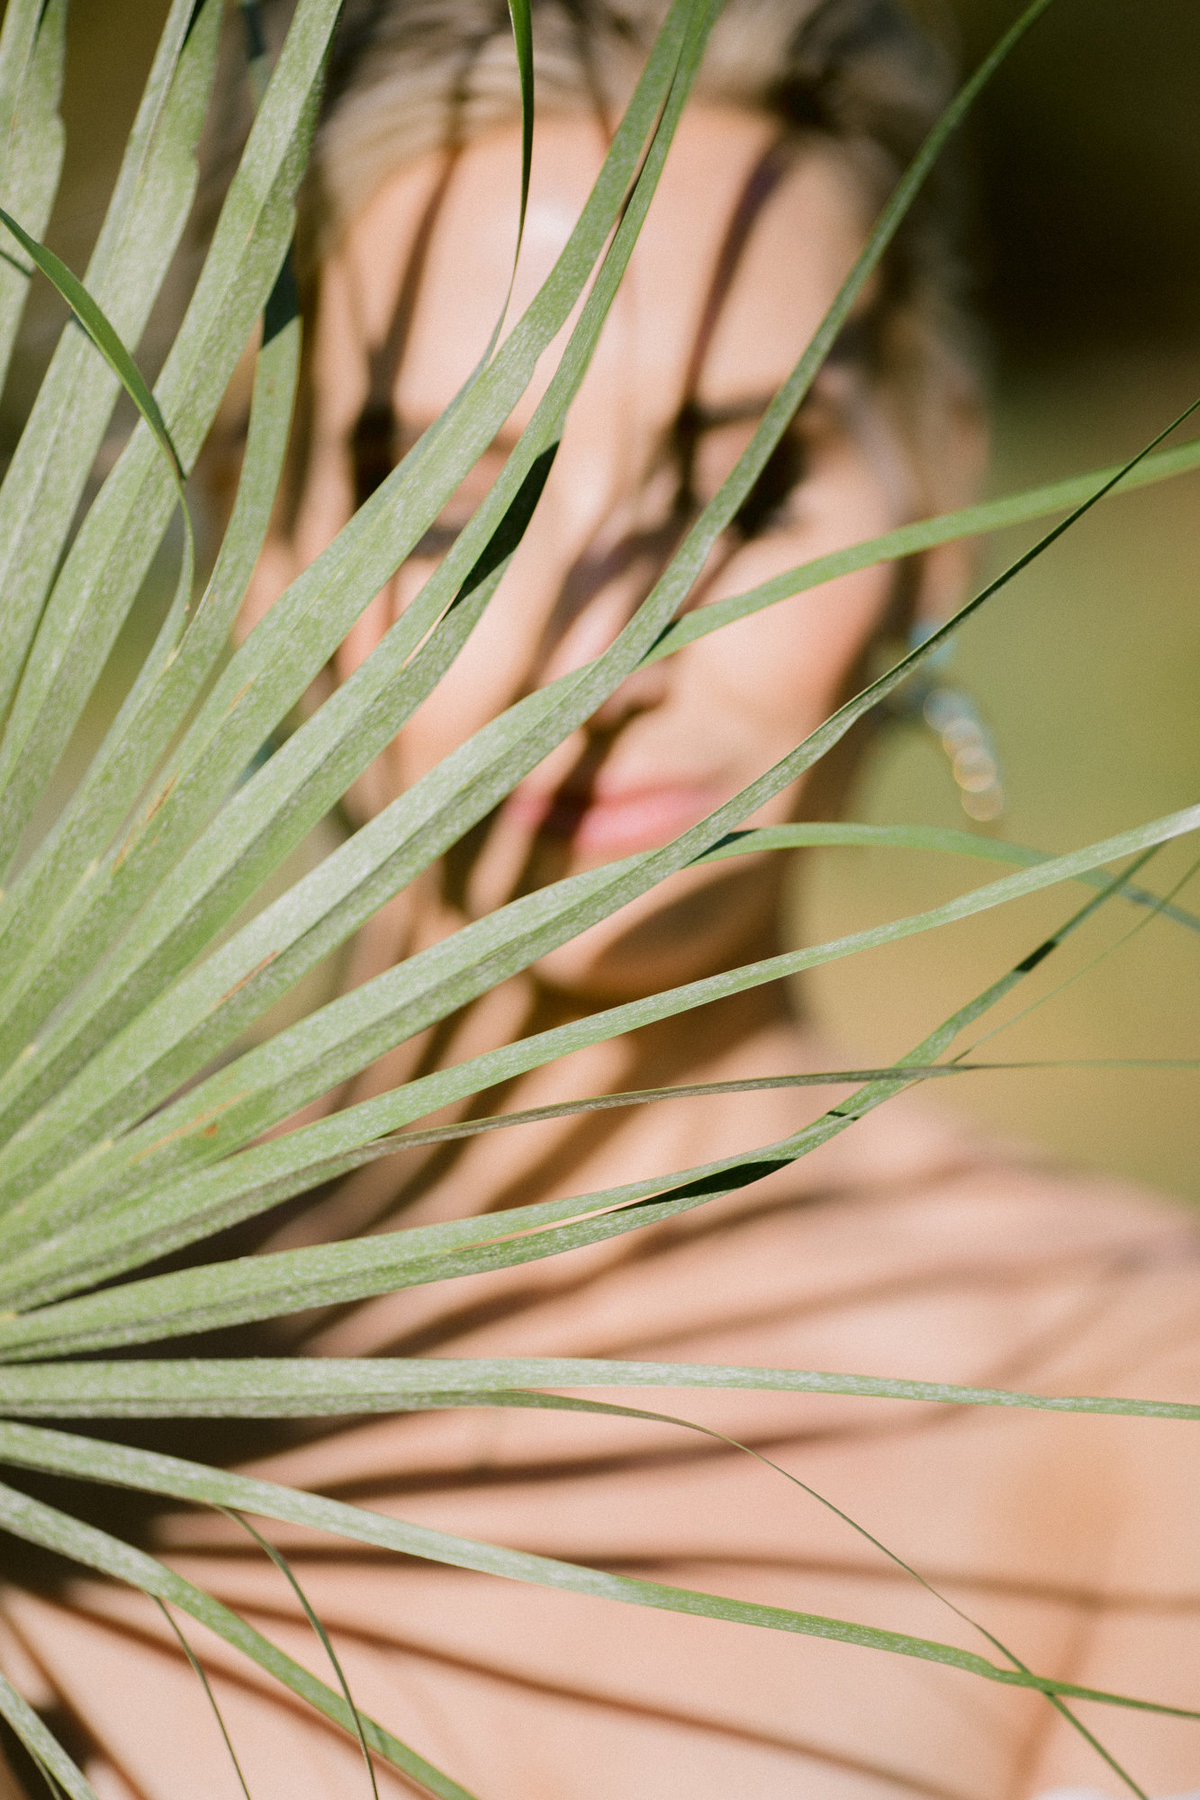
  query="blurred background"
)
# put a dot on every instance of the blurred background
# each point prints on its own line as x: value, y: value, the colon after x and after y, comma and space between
x: 1085, y: 159
x: 1085, y: 155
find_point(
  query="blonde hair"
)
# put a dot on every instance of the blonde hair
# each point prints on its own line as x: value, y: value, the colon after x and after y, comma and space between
x: 410, y: 76
x: 407, y: 77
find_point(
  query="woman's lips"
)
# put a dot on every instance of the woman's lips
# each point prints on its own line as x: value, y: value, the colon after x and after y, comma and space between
x: 620, y: 822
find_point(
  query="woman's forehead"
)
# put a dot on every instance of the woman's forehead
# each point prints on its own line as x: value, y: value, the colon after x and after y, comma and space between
x: 742, y: 252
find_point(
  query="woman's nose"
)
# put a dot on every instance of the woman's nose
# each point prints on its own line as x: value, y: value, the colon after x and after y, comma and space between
x: 640, y: 692
x: 599, y: 587
x: 603, y: 532
x: 597, y: 601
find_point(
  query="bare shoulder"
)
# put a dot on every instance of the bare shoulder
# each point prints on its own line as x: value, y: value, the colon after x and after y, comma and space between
x: 942, y: 1181
x: 974, y: 1259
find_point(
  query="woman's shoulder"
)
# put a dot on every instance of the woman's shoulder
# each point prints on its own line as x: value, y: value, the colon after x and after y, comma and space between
x: 914, y: 1244
x: 937, y: 1174
x: 914, y: 1173
x: 1098, y: 1272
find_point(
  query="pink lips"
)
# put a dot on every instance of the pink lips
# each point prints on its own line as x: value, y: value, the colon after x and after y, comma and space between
x: 617, y: 823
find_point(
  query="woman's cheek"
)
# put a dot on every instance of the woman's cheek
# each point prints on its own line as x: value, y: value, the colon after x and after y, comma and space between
x: 776, y: 675
x: 277, y: 566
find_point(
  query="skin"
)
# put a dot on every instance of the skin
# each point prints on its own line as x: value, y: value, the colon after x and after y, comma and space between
x: 672, y: 742
x: 942, y: 1259
x: 683, y: 735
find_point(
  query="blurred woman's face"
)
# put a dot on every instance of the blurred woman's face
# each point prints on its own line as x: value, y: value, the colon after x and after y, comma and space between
x: 740, y: 257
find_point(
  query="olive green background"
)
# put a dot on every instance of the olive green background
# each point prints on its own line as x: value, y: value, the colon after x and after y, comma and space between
x: 1085, y: 161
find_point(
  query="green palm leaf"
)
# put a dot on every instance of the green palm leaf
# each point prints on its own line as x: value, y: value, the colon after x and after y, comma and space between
x: 124, y: 972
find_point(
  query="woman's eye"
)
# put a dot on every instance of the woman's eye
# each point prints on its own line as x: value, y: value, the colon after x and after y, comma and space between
x: 459, y: 510
x: 767, y: 502
x: 439, y: 538
x: 371, y: 451
x: 374, y: 453
x: 715, y: 456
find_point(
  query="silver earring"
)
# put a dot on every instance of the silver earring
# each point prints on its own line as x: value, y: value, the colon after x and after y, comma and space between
x: 951, y: 714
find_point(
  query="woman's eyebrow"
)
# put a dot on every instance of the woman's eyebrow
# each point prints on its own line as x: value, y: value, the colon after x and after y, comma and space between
x: 698, y: 416
x: 413, y: 428
x: 711, y: 415
x: 852, y: 345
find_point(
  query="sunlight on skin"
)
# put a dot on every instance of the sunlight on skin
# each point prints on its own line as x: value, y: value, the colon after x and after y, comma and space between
x: 902, y: 1246
x: 680, y: 737
x: 943, y: 1258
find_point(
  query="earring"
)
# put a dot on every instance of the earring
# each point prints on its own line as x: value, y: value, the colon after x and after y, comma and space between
x: 952, y: 715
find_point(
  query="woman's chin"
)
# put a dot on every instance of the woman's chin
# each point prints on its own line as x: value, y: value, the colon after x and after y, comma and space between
x: 693, y: 924
x: 685, y: 926
x: 598, y: 968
